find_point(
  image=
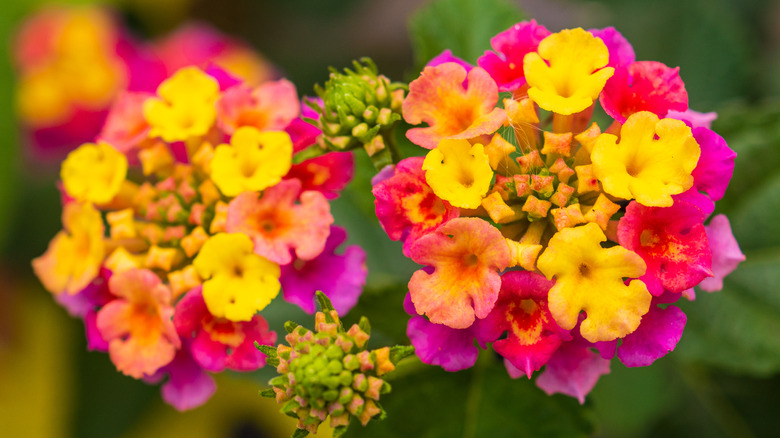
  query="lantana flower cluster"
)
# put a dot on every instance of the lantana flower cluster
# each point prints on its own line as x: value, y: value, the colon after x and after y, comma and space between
x: 559, y: 242
x: 186, y: 217
x: 73, y: 61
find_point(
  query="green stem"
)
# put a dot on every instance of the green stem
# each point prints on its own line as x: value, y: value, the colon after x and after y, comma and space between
x: 475, y: 394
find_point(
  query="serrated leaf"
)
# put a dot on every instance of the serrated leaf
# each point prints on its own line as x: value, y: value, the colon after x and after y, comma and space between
x: 463, y: 26
x: 479, y: 402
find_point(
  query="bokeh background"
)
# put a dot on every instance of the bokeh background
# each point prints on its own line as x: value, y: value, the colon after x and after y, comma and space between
x: 721, y: 382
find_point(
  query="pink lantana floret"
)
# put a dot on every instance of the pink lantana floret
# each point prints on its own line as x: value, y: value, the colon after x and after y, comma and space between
x: 726, y: 255
x: 406, y: 206
x: 437, y: 344
x: 621, y: 53
x: 137, y: 325
x: 521, y: 311
x: 716, y: 164
x: 657, y: 335
x: 218, y: 343
x: 671, y: 241
x: 188, y: 385
x: 467, y: 255
x: 573, y: 370
x: 126, y: 127
x: 644, y: 86
x: 339, y: 277
x: 267, y: 107
x: 278, y: 225
x: 452, y: 106
x: 505, y: 64
x: 447, y: 56
x: 327, y: 174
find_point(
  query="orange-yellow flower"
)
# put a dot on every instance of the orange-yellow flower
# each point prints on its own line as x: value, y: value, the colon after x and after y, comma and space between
x: 74, y: 256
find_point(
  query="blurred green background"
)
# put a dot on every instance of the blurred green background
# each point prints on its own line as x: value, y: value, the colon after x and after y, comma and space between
x: 722, y: 381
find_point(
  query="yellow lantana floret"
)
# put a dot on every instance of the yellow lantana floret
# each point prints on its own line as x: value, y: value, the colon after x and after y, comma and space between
x: 185, y: 107
x: 94, y: 172
x: 253, y: 161
x: 75, y: 254
x: 590, y: 278
x: 240, y: 282
x: 574, y: 74
x: 652, y: 161
x: 458, y: 172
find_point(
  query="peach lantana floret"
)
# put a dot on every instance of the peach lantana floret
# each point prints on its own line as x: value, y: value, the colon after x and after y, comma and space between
x: 277, y: 225
x: 453, y: 110
x: 574, y: 74
x: 138, y: 324
x: 75, y: 254
x: 93, y: 172
x: 458, y: 172
x: 253, y: 161
x: 652, y: 161
x: 239, y: 282
x: 590, y: 278
x: 467, y: 255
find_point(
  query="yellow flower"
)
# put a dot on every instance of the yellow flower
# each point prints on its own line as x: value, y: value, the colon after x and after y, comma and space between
x: 590, y: 278
x: 253, y: 161
x: 458, y: 172
x: 186, y: 107
x: 576, y: 73
x: 653, y: 160
x: 74, y: 256
x: 240, y: 282
x: 94, y: 172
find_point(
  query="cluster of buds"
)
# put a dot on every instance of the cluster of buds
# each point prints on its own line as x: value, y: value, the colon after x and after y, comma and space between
x: 329, y: 372
x: 187, y: 217
x: 359, y: 109
x: 546, y: 236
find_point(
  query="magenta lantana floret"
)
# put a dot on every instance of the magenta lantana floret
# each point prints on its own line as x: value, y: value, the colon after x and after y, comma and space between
x: 177, y: 234
x: 583, y: 236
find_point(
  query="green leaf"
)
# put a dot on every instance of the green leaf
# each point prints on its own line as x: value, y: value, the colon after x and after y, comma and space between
x: 479, y: 402
x: 736, y: 328
x: 463, y: 26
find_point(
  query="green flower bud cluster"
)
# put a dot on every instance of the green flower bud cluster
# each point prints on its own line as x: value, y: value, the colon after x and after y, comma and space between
x: 359, y: 109
x: 329, y: 372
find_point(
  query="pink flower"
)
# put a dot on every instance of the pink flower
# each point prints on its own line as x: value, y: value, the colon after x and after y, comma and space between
x: 573, y: 370
x: 339, y: 277
x: 277, y: 225
x: 270, y: 106
x: 621, y: 54
x: 436, y: 344
x: 726, y: 255
x: 406, y: 206
x: 454, y: 103
x: 125, y: 126
x: 671, y: 241
x: 219, y: 343
x: 644, y: 86
x: 188, y: 385
x: 716, y: 164
x: 327, y: 174
x: 505, y: 65
x: 447, y: 56
x: 521, y: 311
x: 137, y: 325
